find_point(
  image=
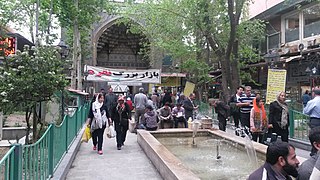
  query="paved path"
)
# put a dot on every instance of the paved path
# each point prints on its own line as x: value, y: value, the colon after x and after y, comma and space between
x: 128, y: 163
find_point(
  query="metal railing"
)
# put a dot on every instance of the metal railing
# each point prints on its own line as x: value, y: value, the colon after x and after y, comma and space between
x: 39, y: 160
x: 298, y: 128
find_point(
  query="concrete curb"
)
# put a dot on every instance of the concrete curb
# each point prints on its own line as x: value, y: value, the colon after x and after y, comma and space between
x: 65, y: 164
x: 300, y: 144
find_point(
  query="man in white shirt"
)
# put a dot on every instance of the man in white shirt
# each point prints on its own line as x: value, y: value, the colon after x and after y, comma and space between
x: 313, y: 109
x: 140, y: 102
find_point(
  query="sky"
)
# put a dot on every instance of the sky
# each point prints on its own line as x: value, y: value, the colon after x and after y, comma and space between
x: 24, y: 31
x: 258, y: 6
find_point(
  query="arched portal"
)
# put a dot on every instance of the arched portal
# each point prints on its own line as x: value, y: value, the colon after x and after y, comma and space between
x: 119, y: 48
x: 114, y: 46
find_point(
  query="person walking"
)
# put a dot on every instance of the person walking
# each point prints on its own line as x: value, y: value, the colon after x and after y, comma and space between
x: 189, y: 106
x: 140, y: 102
x: 110, y: 99
x: 258, y: 120
x: 167, y: 98
x: 155, y: 99
x: 246, y: 105
x: 305, y: 98
x: 222, y: 110
x: 234, y: 108
x: 121, y: 115
x: 279, y: 117
x: 99, y: 122
x: 313, y: 109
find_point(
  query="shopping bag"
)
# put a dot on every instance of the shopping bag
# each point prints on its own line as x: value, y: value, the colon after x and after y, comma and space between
x: 86, y: 135
x: 132, y: 125
x: 111, y: 133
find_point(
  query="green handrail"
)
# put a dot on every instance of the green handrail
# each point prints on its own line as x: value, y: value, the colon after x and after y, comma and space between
x: 299, y: 128
x: 39, y: 160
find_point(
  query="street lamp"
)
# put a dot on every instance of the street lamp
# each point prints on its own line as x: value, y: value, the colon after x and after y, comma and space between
x: 271, y: 57
x: 64, y: 52
x: 312, y: 72
x: 64, y: 49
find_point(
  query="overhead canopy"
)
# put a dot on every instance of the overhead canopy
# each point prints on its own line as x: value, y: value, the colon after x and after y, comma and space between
x: 95, y: 73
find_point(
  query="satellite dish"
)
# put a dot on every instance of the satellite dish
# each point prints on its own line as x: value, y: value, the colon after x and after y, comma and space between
x: 301, y: 47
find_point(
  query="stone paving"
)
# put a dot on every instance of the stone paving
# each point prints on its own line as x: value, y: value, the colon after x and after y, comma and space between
x: 128, y: 163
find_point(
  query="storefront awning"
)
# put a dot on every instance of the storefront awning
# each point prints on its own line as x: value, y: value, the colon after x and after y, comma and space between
x: 173, y: 75
x: 291, y: 58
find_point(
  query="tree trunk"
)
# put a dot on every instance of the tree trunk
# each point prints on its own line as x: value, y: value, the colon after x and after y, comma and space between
x: 226, y: 78
x: 79, y: 66
x: 37, y: 23
x: 235, y: 68
x: 28, y: 125
x: 75, y: 49
x: 49, y: 22
x: 34, y: 124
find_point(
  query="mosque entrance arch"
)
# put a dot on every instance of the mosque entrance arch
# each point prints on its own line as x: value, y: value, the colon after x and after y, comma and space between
x: 114, y: 46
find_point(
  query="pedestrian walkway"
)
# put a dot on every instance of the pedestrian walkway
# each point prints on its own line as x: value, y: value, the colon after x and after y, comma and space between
x: 128, y: 163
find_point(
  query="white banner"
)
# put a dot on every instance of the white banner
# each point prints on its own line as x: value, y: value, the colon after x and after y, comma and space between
x: 122, y: 75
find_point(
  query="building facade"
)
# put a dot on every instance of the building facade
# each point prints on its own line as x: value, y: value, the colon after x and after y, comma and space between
x: 292, y: 43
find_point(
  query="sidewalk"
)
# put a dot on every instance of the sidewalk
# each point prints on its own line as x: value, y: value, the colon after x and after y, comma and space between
x: 128, y: 163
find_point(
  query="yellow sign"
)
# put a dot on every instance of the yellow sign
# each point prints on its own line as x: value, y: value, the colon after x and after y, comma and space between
x: 188, y: 89
x: 276, y: 83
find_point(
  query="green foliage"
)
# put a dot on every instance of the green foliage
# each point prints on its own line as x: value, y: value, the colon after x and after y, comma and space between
x: 8, y: 12
x: 182, y: 28
x: 29, y: 78
x: 198, y: 72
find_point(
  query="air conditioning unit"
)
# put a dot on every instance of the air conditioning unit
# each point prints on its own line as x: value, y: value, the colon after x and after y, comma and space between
x: 293, y: 48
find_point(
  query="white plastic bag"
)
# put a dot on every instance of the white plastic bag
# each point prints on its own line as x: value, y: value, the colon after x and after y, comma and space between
x: 132, y: 125
x: 111, y: 133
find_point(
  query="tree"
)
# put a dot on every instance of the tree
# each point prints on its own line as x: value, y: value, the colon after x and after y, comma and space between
x: 77, y: 17
x: 186, y: 28
x: 31, y: 77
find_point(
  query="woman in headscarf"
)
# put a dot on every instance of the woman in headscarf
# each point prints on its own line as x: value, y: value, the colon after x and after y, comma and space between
x: 121, y: 114
x: 279, y: 117
x: 258, y: 120
x: 98, y: 122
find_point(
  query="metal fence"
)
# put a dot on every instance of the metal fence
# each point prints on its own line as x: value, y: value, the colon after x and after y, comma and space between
x: 299, y: 128
x: 39, y: 160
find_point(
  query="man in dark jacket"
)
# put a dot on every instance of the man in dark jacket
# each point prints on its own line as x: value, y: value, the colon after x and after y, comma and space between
x: 189, y: 106
x: 281, y: 163
x: 307, y: 166
x: 110, y: 100
x: 222, y: 110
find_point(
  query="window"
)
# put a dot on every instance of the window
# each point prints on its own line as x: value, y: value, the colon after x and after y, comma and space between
x: 292, y: 28
x: 274, y: 41
x: 311, y: 17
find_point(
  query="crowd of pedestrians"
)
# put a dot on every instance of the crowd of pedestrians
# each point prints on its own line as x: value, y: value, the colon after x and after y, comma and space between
x: 246, y: 108
x: 150, y: 113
